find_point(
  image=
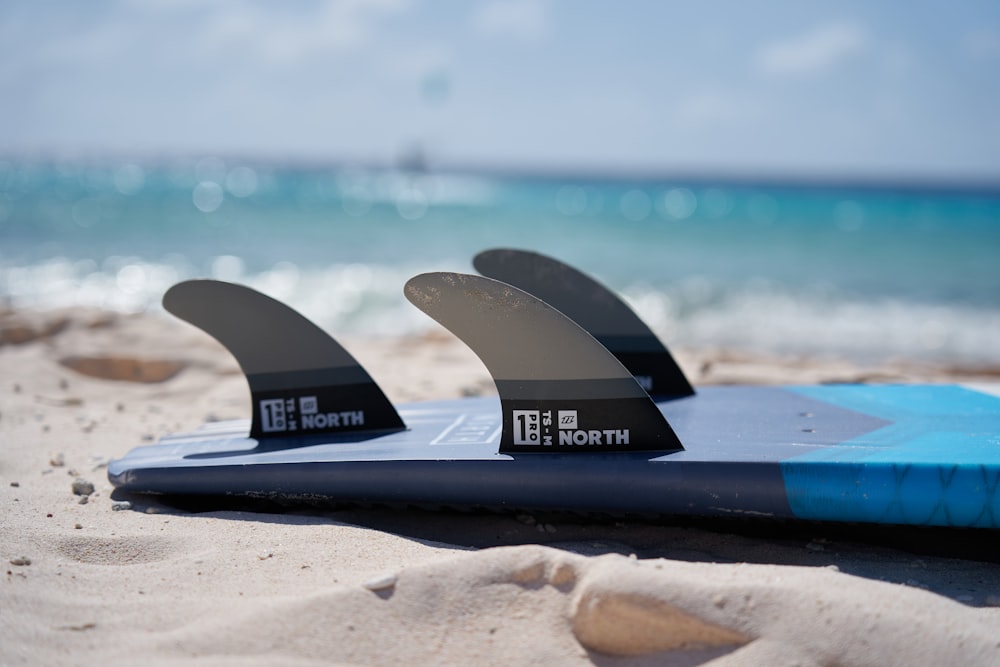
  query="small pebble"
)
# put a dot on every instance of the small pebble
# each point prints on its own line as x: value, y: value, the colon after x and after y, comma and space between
x: 21, y: 561
x: 78, y: 526
x: 120, y: 506
x: 84, y: 500
x: 82, y: 487
x: 382, y: 583
x: 57, y: 460
x: 15, y: 484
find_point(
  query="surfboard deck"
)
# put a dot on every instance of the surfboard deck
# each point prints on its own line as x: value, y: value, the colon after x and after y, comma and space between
x: 571, y: 429
x: 897, y: 454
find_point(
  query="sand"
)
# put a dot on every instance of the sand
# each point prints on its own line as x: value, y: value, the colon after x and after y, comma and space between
x: 95, y: 577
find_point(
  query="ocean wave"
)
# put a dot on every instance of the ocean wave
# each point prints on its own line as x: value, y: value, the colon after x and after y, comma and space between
x: 818, y: 322
x: 367, y: 299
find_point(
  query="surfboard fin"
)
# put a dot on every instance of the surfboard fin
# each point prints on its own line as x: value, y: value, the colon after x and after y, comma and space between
x: 595, y: 308
x: 302, y: 382
x: 560, y: 389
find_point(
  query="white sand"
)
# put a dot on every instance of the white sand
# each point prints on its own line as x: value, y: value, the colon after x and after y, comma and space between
x: 158, y: 585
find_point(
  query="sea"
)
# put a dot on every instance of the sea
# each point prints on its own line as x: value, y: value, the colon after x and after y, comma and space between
x: 862, y: 271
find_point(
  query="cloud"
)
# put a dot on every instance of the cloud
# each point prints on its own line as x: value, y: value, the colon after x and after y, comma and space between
x: 708, y: 108
x: 157, y: 33
x: 181, y: 74
x: 283, y: 37
x: 524, y: 19
x: 816, y: 51
x: 982, y: 43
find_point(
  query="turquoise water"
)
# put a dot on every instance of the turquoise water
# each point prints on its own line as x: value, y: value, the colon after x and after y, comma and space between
x: 859, y: 271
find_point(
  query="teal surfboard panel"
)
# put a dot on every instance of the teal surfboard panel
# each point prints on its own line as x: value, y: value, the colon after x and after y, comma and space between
x: 936, y: 462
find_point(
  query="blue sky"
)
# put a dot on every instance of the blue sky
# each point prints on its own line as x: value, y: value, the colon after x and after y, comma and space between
x: 878, y: 88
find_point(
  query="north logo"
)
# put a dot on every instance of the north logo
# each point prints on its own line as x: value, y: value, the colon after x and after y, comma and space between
x: 279, y: 415
x: 532, y: 428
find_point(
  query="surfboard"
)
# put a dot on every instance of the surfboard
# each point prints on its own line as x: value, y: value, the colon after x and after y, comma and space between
x: 571, y: 428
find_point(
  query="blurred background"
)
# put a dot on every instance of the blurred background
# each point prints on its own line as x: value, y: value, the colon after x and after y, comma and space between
x: 785, y: 177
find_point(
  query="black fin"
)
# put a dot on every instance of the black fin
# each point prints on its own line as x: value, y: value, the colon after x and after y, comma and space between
x: 302, y: 382
x: 595, y: 308
x: 560, y: 389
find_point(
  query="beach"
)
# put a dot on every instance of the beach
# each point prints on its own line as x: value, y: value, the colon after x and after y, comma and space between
x: 802, y: 205
x: 93, y: 576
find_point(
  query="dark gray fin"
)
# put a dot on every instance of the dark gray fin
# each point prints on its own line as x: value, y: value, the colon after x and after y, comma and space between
x: 560, y: 389
x: 302, y: 382
x: 595, y: 308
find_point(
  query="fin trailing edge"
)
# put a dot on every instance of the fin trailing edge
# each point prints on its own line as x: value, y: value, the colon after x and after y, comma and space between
x: 595, y: 308
x: 560, y: 389
x: 302, y: 381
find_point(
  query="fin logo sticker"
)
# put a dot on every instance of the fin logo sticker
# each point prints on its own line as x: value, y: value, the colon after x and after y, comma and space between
x: 534, y: 427
x: 273, y: 415
x: 280, y: 415
x: 527, y: 427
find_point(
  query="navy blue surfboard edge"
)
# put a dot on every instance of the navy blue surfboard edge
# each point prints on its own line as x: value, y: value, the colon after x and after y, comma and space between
x: 849, y: 465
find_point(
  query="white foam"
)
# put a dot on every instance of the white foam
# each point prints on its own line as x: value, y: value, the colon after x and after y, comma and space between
x: 367, y: 299
x: 765, y: 318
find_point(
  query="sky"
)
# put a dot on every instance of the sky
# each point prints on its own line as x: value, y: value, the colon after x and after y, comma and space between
x: 858, y: 88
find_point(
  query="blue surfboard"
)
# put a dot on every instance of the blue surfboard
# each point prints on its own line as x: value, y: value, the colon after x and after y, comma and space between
x: 571, y: 427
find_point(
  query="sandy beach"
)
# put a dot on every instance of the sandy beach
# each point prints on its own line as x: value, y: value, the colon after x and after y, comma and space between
x: 92, y: 576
